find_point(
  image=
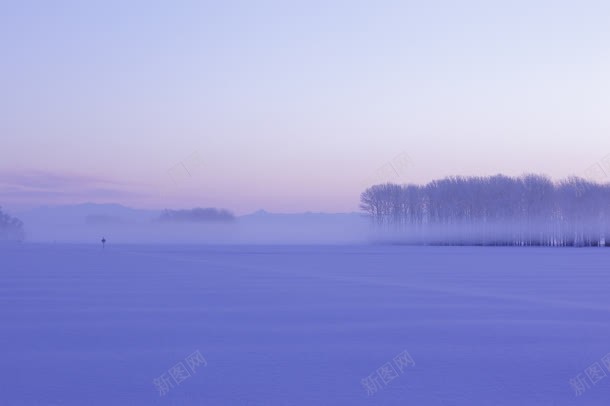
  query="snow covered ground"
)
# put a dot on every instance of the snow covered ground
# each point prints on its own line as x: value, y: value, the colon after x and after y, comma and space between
x: 303, y: 325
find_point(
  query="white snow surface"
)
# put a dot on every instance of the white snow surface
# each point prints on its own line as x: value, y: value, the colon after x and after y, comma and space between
x: 302, y: 325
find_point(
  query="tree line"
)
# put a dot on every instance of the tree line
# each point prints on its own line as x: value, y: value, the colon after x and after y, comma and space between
x: 494, y: 210
x: 11, y: 228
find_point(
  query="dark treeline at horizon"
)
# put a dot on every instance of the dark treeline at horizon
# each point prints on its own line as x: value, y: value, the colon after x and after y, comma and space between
x: 493, y: 210
x: 11, y: 228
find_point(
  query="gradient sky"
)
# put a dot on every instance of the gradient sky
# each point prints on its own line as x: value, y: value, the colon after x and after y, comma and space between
x: 293, y: 105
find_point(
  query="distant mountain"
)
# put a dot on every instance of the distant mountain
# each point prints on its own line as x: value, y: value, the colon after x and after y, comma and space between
x: 260, y: 213
x: 196, y: 215
x: 263, y: 215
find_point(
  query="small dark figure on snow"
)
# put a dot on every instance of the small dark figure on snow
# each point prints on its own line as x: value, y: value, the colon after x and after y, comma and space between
x: 103, y: 242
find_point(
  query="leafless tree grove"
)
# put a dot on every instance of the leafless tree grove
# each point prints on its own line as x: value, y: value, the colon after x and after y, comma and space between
x: 496, y: 210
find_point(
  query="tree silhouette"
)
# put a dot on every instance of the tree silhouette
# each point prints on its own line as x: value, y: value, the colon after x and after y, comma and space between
x: 495, y: 210
x: 11, y: 228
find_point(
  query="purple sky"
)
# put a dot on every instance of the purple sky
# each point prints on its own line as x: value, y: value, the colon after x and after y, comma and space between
x: 294, y: 106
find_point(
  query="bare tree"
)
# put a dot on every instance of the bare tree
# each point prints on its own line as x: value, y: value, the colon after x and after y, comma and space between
x: 496, y: 210
x: 11, y: 228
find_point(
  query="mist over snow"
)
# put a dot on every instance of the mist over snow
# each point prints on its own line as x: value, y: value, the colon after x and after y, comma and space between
x: 88, y: 223
x: 496, y: 210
